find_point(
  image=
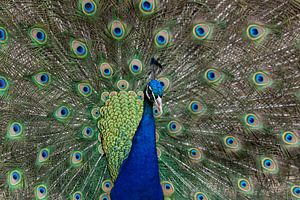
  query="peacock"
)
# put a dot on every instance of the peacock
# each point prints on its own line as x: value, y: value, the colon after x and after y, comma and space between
x: 149, y: 99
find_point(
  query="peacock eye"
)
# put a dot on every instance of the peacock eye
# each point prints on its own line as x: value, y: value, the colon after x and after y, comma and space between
x: 43, y: 155
x: 79, y: 49
x: 200, y: 196
x: 244, y: 185
x: 41, y: 192
x: 147, y: 7
x: 201, y: 31
x: 76, y: 158
x: 3, y: 84
x: 107, y: 185
x: 296, y: 191
x: 255, y: 32
x: 118, y: 29
x: 38, y: 36
x: 168, y: 188
x: 289, y: 138
x: 104, y: 197
x: 89, y: 7
x: 162, y: 38
x: 3, y: 35
x: 269, y: 165
x: 77, y: 196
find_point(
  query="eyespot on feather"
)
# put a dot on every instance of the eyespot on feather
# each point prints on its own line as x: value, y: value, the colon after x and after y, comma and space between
x: 106, y: 70
x: 3, y: 35
x: 195, y: 154
x: 43, y: 155
x: 104, y: 197
x: 148, y: 7
x: 42, y: 79
x: 162, y: 38
x: 79, y: 49
x: 62, y: 113
x: 118, y: 29
x: 212, y: 76
x: 200, y: 196
x: 84, y: 89
x: 4, y: 84
x: 168, y: 188
x: 231, y: 142
x: 244, y: 185
x: 15, y: 179
x: 255, y: 32
x: 88, y: 7
x: 41, y: 192
x: 174, y: 128
x: 38, y: 36
x: 123, y: 85
x: 107, y: 185
x: 76, y: 158
x: 14, y: 130
x: 289, y: 138
x: 269, y: 165
x: 295, y: 191
x: 201, y: 31
x: 136, y: 66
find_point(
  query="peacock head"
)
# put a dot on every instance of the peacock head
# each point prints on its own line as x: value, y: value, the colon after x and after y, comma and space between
x: 154, y: 92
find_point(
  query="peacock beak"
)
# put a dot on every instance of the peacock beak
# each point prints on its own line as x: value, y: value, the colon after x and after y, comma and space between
x: 158, y: 103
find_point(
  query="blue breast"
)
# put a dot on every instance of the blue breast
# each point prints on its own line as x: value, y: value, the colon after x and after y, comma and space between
x: 138, y: 178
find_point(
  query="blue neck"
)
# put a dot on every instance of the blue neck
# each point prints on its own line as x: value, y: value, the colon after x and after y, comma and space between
x: 139, y: 174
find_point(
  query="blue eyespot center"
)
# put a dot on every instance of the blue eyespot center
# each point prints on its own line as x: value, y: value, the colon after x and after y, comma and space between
x: 107, y: 185
x: 195, y: 106
x: 77, y: 196
x: 2, y: 83
x: 168, y: 186
x: 251, y: 119
x: 44, y: 78
x: 254, y: 32
x: 106, y: 71
x: 86, y: 89
x: 88, y: 131
x: 118, y: 31
x: 78, y: 156
x: 161, y: 39
x: 80, y: 50
x: 200, y: 31
x: 259, y: 78
x: 211, y: 75
x: 193, y: 152
x: 230, y: 141
x: 105, y: 198
x: 44, y: 154
x: 173, y: 126
x: 64, y: 112
x: 200, y: 197
x: 16, y: 128
x: 289, y: 137
x: 243, y: 184
x: 40, y: 35
x: 147, y: 6
x: 268, y: 163
x: 16, y: 176
x: 296, y: 190
x: 89, y: 7
x: 42, y: 190
x: 135, y: 68
x: 2, y: 34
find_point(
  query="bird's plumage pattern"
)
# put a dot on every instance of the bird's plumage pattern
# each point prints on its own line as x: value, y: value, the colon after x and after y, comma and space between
x: 229, y: 128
